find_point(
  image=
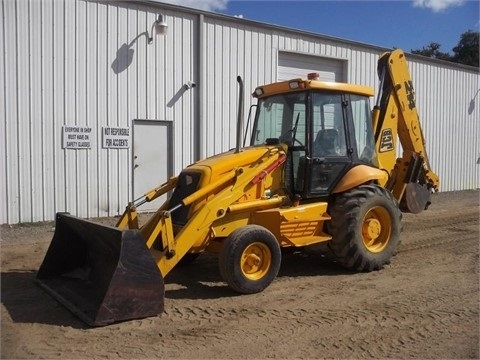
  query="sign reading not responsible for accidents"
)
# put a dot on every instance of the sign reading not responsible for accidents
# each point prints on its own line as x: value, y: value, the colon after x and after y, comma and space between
x: 115, y: 138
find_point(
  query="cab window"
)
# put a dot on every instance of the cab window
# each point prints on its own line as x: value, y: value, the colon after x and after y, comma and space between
x: 362, y: 124
x: 328, y: 126
x: 281, y: 117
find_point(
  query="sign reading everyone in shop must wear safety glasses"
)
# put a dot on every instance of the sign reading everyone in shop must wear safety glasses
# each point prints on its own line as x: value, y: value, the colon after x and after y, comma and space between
x: 77, y: 137
x: 116, y: 138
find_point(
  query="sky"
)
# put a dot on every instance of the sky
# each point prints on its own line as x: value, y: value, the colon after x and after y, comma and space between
x: 405, y: 24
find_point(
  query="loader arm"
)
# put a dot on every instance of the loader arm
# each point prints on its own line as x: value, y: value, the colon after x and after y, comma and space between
x: 129, y: 218
x: 223, y: 197
x: 395, y: 116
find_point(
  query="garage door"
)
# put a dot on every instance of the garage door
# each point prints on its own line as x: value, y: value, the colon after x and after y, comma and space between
x: 291, y: 66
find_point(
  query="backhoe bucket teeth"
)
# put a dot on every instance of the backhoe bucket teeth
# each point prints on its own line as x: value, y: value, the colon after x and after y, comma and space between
x: 101, y: 273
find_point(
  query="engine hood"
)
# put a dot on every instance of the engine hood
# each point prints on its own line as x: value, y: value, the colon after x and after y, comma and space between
x: 223, y: 163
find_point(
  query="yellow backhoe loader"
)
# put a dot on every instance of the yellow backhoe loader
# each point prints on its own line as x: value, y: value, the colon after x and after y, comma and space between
x: 321, y: 168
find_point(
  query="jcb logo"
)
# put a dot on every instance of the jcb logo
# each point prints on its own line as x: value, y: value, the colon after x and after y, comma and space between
x: 386, y: 141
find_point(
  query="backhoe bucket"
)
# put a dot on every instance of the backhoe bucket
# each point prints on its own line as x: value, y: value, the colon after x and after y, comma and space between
x: 101, y: 273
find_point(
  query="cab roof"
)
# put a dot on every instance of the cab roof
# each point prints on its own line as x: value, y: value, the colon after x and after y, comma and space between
x: 295, y: 85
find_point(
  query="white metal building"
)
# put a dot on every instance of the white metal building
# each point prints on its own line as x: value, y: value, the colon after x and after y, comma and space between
x: 92, y: 115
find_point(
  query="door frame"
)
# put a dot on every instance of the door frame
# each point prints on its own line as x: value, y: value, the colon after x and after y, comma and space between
x: 170, y: 145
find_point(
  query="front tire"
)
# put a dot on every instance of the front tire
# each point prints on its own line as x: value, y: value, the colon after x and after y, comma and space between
x: 365, y: 228
x: 250, y: 259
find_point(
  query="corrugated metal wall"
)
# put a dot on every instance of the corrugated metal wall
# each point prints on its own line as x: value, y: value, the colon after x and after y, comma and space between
x: 87, y: 63
x: 449, y: 107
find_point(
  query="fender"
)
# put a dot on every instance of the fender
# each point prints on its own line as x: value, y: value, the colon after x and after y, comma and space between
x: 359, y: 175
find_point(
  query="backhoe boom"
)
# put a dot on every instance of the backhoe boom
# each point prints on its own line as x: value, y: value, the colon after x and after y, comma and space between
x: 395, y: 115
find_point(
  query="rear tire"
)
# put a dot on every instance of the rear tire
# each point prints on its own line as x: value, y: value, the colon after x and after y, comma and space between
x: 250, y: 259
x: 365, y: 228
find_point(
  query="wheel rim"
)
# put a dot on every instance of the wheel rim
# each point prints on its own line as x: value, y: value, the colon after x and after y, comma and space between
x: 376, y: 229
x: 256, y: 261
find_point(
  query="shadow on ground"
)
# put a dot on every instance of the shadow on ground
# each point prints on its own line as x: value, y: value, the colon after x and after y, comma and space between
x: 28, y: 303
x: 201, y: 279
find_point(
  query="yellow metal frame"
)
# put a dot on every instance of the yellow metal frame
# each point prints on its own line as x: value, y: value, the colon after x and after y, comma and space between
x: 297, y: 225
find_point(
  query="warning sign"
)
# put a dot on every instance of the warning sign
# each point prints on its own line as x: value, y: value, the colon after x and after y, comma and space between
x: 77, y: 137
x: 116, y: 138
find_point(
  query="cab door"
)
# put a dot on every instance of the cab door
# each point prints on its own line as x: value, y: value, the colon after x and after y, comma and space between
x: 330, y: 154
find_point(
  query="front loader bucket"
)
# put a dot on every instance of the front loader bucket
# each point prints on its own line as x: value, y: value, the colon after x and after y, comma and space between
x: 101, y: 273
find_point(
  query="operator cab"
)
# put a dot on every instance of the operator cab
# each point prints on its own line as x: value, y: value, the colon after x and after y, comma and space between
x: 326, y: 126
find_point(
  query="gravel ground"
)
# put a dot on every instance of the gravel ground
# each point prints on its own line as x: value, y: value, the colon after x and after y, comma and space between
x: 425, y: 304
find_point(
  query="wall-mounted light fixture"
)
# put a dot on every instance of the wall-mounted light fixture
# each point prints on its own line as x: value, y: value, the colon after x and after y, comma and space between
x: 159, y: 26
x: 189, y: 85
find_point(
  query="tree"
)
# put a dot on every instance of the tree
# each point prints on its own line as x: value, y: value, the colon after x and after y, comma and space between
x: 466, y: 52
x: 433, y: 51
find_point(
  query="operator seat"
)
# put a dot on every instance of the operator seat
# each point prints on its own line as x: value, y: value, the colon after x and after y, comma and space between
x: 325, y: 143
x: 321, y: 175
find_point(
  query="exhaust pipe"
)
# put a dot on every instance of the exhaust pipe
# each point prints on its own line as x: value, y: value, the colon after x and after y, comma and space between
x: 240, y: 114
